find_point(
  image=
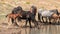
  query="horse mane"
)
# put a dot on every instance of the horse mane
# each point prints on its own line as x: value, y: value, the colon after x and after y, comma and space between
x: 34, y: 9
x: 55, y: 11
x: 16, y: 9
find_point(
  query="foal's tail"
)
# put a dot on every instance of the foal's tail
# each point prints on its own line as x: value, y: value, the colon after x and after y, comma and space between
x: 6, y: 15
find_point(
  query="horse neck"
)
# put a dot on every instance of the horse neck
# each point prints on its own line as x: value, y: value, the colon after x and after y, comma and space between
x: 57, y: 12
x: 33, y: 11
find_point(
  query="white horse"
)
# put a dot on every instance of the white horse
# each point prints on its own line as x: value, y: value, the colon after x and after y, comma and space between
x: 47, y: 13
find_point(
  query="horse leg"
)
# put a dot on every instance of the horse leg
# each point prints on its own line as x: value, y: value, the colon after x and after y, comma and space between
x: 19, y: 19
x: 12, y: 20
x: 39, y: 17
x: 8, y: 19
x: 36, y: 23
x: 59, y: 20
x: 42, y: 19
x: 30, y: 23
x: 46, y: 19
x: 26, y: 22
x: 49, y: 20
x: 15, y: 22
x: 56, y: 21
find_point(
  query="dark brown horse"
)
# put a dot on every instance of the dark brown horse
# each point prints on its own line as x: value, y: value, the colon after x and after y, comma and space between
x: 29, y: 15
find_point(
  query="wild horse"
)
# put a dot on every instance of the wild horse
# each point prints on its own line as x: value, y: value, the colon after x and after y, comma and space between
x: 29, y: 15
x: 48, y: 14
x: 14, y: 15
x: 13, y: 18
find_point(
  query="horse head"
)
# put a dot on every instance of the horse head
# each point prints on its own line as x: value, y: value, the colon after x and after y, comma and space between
x: 14, y: 11
x: 19, y: 9
x: 33, y: 9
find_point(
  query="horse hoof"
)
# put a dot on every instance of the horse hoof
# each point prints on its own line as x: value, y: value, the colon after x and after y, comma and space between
x: 24, y: 26
x: 50, y: 23
x: 17, y: 25
x: 30, y: 27
x: 38, y: 28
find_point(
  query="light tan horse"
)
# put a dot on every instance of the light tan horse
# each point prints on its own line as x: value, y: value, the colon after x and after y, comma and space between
x: 55, y: 17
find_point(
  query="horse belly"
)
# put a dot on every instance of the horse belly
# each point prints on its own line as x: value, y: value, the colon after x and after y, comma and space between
x: 47, y: 14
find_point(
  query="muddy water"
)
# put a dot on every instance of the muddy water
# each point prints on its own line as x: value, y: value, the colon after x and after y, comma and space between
x: 44, y: 29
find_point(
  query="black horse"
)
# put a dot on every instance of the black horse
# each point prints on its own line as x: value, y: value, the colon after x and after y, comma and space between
x: 29, y: 16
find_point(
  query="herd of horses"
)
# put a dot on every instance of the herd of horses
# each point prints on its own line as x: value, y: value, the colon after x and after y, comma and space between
x: 19, y: 14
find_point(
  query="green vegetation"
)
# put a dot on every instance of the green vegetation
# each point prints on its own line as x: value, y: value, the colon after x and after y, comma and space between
x: 27, y: 2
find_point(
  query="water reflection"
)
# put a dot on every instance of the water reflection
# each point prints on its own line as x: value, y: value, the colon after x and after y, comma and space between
x: 44, y: 29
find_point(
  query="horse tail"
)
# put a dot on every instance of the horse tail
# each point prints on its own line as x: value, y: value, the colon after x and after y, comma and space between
x: 6, y: 15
